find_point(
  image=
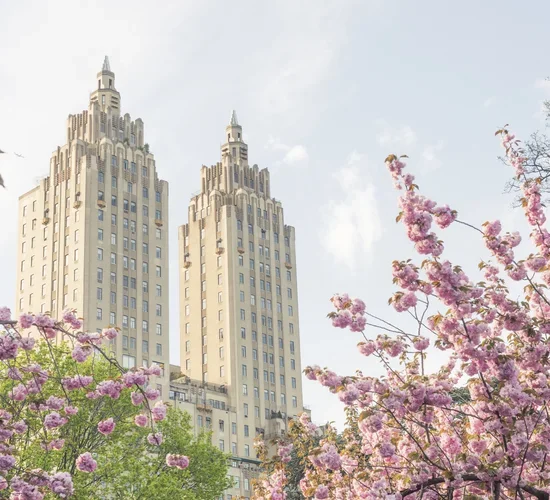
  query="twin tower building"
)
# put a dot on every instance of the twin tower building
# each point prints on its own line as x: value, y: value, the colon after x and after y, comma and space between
x: 94, y: 237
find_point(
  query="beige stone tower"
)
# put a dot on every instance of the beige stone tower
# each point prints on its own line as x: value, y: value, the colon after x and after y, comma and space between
x: 94, y: 232
x: 238, y: 297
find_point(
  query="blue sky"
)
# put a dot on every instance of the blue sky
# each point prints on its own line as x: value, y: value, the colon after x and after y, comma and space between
x: 324, y: 91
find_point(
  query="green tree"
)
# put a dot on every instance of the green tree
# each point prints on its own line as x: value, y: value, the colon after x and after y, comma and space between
x: 129, y: 467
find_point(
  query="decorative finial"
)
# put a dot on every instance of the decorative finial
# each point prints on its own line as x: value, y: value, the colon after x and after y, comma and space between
x: 106, y: 66
x: 234, y: 118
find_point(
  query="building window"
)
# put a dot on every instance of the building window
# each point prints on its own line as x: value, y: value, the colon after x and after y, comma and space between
x: 159, y: 350
x: 99, y: 314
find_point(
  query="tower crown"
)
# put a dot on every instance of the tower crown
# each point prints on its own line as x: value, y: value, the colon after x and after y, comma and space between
x: 233, y: 130
x: 106, y: 78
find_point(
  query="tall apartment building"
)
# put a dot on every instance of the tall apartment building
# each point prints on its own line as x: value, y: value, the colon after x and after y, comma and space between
x: 238, y: 296
x: 94, y: 232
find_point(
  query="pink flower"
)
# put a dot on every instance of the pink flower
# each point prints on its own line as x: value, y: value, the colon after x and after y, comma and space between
x: 106, y: 426
x: 5, y: 314
x: 421, y: 343
x: 110, y: 333
x: 26, y: 320
x: 6, y: 462
x: 154, y: 369
x: 53, y: 420
x: 493, y: 229
x: 137, y: 398
x: 159, y: 411
x: 20, y: 427
x: 151, y: 394
x: 110, y: 388
x: 71, y: 410
x: 141, y: 420
x: 80, y: 353
x: 61, y: 484
x: 404, y: 301
x: 85, y: 463
x: 179, y: 461
x: 155, y: 439
x: 321, y: 493
x: 367, y: 348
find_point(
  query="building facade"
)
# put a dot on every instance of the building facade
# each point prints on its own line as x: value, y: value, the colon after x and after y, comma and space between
x: 210, y: 410
x: 238, y: 296
x: 94, y: 232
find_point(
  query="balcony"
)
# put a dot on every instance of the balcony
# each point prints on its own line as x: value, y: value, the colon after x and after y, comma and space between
x: 219, y: 250
x: 77, y: 204
x: 101, y: 203
x: 187, y: 264
x: 288, y: 265
x: 46, y: 220
x: 158, y: 222
x: 240, y: 250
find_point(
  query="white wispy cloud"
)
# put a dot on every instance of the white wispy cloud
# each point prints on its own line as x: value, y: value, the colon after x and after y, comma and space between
x: 431, y: 158
x: 352, y: 223
x: 306, y: 46
x: 403, y: 136
x: 296, y: 155
x: 543, y: 83
x: 489, y: 101
x: 403, y: 139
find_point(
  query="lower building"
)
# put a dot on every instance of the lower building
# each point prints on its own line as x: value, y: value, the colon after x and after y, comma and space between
x: 211, y: 411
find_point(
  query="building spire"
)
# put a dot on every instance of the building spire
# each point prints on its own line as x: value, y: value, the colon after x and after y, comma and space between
x: 233, y: 121
x: 106, y: 66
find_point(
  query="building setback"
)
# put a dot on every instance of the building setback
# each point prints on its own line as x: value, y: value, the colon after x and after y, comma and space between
x: 94, y: 232
x: 238, y: 299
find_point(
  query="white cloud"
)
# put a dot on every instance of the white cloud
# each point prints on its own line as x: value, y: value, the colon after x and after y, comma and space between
x: 489, y: 101
x: 294, y: 155
x: 403, y: 140
x: 403, y: 136
x: 543, y: 83
x: 352, y: 223
x: 306, y: 45
x: 430, y: 155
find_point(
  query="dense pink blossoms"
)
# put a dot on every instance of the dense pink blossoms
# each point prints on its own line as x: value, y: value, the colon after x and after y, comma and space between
x: 179, y: 461
x: 86, y: 463
x: 476, y: 427
x: 106, y: 426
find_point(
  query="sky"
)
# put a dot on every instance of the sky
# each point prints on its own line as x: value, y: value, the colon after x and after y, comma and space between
x: 324, y: 91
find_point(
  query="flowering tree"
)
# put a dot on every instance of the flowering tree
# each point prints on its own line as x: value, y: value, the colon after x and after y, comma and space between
x: 41, y: 392
x: 406, y: 436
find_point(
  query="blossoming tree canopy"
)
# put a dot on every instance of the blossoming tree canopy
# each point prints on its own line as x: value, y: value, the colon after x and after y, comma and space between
x: 414, y: 434
x: 39, y: 399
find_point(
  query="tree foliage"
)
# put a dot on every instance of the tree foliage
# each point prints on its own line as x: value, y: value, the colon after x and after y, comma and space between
x: 64, y: 400
x: 128, y: 466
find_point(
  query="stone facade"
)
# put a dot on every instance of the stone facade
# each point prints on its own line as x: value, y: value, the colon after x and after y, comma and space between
x: 239, y: 322
x: 94, y: 232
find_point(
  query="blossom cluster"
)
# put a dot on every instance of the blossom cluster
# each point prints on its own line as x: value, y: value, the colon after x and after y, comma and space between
x: 475, y: 427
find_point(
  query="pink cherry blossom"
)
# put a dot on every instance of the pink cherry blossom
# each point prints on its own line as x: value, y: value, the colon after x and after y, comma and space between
x: 85, y: 463
x: 106, y: 427
x: 141, y: 420
x: 179, y: 461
